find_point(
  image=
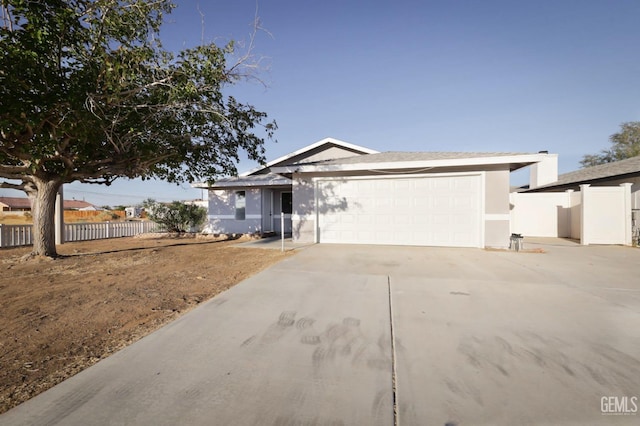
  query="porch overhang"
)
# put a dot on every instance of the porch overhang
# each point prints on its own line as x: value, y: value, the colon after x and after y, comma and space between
x: 257, y: 181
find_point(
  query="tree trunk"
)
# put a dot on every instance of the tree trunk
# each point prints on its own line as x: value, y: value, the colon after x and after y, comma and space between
x: 43, y: 206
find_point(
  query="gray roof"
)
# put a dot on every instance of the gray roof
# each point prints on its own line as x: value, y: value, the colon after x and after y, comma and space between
x: 395, y: 156
x: 600, y: 172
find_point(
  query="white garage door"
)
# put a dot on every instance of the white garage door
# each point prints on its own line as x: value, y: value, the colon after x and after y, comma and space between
x: 423, y: 211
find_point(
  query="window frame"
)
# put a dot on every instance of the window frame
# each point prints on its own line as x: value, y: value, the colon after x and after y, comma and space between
x: 240, y: 205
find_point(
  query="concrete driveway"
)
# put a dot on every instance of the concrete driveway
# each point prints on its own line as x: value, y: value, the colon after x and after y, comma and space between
x: 361, y: 335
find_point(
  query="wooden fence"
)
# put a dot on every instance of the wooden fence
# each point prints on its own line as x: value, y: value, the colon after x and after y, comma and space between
x: 22, y: 235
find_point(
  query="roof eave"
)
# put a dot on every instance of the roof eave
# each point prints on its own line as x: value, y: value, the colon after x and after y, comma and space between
x: 588, y: 181
x: 283, y: 182
x: 519, y: 160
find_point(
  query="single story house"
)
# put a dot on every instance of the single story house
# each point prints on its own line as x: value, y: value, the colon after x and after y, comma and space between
x: 336, y: 192
x: 15, y: 204
x: 79, y: 205
x: 23, y: 204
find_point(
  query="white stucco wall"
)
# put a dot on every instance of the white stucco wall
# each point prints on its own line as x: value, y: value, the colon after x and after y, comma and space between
x: 496, y: 209
x: 542, y: 214
x: 594, y: 215
x: 606, y: 214
x: 222, y: 210
x: 544, y: 172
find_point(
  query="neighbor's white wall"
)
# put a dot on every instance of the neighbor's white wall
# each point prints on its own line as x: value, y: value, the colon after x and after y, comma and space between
x: 635, y: 189
x: 575, y: 203
x: 595, y: 215
x: 543, y: 214
x: 606, y: 214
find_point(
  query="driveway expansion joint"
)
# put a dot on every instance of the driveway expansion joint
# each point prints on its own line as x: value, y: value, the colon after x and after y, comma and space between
x: 394, y: 377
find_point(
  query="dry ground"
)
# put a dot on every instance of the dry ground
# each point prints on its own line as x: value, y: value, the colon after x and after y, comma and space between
x: 57, y: 317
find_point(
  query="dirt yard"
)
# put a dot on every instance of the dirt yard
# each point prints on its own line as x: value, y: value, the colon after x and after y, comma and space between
x: 58, y: 317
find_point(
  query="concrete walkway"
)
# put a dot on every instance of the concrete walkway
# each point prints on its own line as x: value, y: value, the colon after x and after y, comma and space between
x: 361, y: 335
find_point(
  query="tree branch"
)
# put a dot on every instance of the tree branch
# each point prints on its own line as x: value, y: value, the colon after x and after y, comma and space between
x: 248, y: 60
x: 19, y: 187
x: 13, y: 172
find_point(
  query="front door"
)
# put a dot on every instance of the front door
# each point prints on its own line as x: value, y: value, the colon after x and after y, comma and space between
x: 283, y: 208
x: 267, y: 210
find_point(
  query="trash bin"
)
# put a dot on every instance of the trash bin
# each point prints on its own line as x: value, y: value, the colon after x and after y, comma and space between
x: 515, y: 242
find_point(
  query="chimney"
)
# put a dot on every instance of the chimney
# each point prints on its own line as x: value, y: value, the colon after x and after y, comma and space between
x: 544, y: 171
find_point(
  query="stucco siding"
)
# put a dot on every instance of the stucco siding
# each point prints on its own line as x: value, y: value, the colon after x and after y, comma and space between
x: 222, y: 212
x: 541, y: 214
x: 496, y: 233
x: 496, y: 208
x: 303, y: 217
x: 497, y: 192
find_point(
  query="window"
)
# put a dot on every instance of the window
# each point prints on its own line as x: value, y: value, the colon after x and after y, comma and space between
x: 287, y: 203
x: 241, y: 203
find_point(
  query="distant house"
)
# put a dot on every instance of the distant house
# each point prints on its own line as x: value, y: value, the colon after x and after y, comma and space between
x: 15, y: 204
x: 22, y: 204
x: 133, y: 212
x: 79, y: 205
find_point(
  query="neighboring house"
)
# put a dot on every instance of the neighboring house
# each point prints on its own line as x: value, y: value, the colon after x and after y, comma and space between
x: 24, y: 204
x: 609, y: 174
x: 133, y: 212
x: 336, y: 192
x: 13, y: 204
x: 79, y: 205
x: 596, y: 205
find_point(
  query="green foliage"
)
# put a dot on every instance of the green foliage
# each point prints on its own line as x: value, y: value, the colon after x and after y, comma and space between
x: 88, y: 93
x: 625, y: 144
x: 176, y: 216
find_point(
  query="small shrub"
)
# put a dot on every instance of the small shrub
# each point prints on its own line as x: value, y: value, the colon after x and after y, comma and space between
x: 176, y: 216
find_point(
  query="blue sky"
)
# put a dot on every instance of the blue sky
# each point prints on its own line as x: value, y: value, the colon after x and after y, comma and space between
x: 423, y: 75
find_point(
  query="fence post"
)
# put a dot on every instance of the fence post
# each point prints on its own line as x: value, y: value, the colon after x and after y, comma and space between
x: 59, y: 217
x: 1, y: 235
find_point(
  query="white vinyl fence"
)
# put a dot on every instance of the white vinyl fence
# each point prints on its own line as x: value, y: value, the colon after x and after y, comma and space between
x: 22, y: 235
x: 593, y: 215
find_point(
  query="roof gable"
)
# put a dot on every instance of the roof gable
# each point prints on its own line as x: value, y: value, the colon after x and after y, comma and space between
x: 323, y: 150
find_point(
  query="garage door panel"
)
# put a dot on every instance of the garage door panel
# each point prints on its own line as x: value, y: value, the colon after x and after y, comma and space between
x: 440, y: 211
